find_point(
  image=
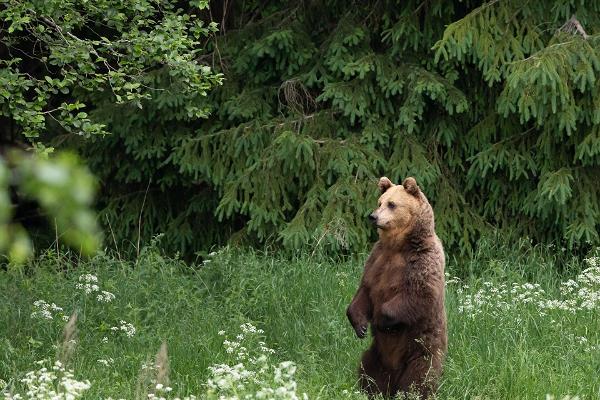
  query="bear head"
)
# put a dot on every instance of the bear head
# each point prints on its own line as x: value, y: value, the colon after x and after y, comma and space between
x: 403, y: 212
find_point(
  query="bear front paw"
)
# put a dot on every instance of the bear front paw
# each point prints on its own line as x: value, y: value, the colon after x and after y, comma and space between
x: 359, y: 324
x: 361, y: 331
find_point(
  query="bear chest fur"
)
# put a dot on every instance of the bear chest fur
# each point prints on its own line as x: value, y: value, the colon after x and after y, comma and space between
x: 386, y: 277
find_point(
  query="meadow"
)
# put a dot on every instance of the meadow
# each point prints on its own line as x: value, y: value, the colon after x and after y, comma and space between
x: 523, y: 324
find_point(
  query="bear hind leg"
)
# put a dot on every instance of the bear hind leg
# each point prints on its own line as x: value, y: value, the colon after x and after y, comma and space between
x: 420, y: 377
x: 374, y: 378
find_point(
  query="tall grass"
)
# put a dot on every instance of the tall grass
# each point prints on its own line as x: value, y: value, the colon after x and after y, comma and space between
x: 503, y: 343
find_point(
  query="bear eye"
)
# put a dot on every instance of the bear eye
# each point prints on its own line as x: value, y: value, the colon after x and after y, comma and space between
x: 391, y: 205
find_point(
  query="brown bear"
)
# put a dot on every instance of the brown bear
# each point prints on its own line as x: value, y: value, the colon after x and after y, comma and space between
x: 401, y: 295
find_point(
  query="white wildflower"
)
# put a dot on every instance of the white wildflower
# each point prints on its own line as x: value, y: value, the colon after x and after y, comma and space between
x: 88, y: 278
x: 127, y: 328
x: 249, y: 328
x: 148, y: 367
x: 44, y: 310
x: 105, y: 297
x: 88, y: 283
x: 56, y: 383
x: 593, y: 262
x: 252, y: 375
x: 449, y: 280
x: 106, y: 362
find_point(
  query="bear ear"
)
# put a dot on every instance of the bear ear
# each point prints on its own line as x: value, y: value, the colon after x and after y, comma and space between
x: 410, y: 185
x: 384, y: 184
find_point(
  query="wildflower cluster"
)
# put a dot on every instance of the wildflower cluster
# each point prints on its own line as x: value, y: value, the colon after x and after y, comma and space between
x: 45, y: 310
x: 105, y: 297
x: 88, y: 283
x: 106, y: 362
x: 593, y: 262
x: 161, y: 393
x: 583, y: 342
x: 496, y: 299
x: 150, y: 372
x: 251, y: 374
x: 124, y: 327
x: 579, y: 294
x: 583, y: 293
x: 210, y: 256
x: 56, y: 383
x: 450, y: 280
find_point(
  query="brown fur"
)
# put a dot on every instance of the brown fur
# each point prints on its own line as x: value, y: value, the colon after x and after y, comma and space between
x: 401, y: 295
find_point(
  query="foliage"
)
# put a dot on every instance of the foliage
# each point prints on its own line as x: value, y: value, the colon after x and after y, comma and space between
x: 493, y: 107
x: 57, y: 56
x: 64, y: 190
x: 541, y: 127
x: 503, y: 344
x: 54, y: 53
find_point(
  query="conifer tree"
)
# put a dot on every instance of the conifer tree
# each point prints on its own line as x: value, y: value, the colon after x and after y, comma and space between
x: 494, y: 107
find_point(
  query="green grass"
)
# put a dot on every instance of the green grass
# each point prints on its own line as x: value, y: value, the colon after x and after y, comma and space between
x: 512, y: 353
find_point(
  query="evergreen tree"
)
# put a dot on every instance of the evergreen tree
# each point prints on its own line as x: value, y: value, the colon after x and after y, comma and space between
x: 494, y: 107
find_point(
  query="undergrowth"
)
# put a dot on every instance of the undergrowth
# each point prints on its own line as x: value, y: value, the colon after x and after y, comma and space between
x: 523, y: 324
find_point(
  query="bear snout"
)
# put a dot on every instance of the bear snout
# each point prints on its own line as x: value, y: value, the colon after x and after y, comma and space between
x: 373, y: 218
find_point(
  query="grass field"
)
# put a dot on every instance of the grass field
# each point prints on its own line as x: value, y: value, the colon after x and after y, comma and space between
x: 518, y: 328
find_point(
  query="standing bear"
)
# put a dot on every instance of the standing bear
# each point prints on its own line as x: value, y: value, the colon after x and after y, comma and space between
x: 401, y: 295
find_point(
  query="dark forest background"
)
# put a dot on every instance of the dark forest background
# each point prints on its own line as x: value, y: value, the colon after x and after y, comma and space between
x: 269, y: 122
